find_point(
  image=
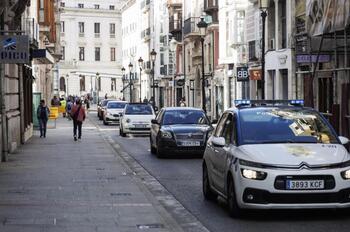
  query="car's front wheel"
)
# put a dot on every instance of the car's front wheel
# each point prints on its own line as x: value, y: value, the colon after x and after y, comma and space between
x: 121, y: 132
x: 207, y: 191
x: 160, y: 152
x: 233, y: 208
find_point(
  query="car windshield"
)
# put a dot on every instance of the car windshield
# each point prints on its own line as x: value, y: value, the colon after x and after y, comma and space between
x: 104, y: 103
x: 139, y: 109
x: 184, y: 117
x: 116, y: 105
x: 284, y: 125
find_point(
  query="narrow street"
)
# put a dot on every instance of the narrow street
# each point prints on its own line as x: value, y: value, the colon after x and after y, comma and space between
x: 182, y: 177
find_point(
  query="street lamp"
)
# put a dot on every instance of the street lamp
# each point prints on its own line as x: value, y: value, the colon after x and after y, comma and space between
x: 67, y: 87
x: 98, y: 87
x: 123, y: 79
x: 153, y: 58
x: 130, y: 81
x: 172, y: 47
x: 140, y: 65
x: 263, y: 5
x: 202, y: 25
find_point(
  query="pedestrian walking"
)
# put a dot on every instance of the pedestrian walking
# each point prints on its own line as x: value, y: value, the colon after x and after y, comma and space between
x: 182, y: 102
x: 78, y: 115
x: 69, y: 108
x: 43, y: 113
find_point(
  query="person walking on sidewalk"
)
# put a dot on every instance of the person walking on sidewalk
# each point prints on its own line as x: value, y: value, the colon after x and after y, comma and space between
x: 78, y: 115
x: 43, y: 116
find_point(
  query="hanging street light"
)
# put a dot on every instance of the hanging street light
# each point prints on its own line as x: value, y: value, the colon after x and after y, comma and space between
x: 153, y: 58
x: 202, y: 25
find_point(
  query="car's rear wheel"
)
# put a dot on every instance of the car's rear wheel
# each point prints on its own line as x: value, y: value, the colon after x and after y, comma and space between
x: 233, y: 208
x: 208, y: 193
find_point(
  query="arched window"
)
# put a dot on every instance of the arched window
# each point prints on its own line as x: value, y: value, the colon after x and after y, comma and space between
x: 62, y: 84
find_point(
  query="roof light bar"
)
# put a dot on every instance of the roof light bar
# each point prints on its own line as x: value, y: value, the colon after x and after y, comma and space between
x: 294, y: 102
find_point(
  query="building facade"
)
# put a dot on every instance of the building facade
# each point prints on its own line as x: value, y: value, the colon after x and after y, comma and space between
x: 91, y: 43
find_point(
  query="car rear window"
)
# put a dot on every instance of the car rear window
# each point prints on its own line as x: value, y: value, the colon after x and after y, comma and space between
x: 138, y: 109
x: 116, y: 105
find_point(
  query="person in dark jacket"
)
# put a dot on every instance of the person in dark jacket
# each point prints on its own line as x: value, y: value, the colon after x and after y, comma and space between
x: 78, y: 115
x: 43, y: 113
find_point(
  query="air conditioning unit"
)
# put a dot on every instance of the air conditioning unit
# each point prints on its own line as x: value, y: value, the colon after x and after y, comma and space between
x: 272, y: 44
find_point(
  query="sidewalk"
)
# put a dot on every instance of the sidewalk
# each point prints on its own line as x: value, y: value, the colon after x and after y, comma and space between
x: 56, y: 184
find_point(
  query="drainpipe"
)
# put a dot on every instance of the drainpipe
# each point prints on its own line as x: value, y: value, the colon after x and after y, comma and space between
x: 4, y: 152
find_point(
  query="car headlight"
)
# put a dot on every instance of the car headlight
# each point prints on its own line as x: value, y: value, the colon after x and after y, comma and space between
x: 346, y: 174
x: 253, y: 175
x: 128, y: 120
x: 166, y: 134
x: 109, y: 114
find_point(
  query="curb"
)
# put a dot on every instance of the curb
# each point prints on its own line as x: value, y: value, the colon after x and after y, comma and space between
x: 177, y: 211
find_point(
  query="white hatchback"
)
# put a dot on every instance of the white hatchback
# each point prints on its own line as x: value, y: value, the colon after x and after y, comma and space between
x: 136, y: 119
x: 276, y: 157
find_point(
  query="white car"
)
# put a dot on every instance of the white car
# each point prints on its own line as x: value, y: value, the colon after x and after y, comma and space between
x: 113, y: 111
x: 136, y: 119
x: 276, y: 155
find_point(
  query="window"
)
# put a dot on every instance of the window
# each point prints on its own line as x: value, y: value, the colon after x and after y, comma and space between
x: 220, y: 126
x: 97, y: 54
x: 97, y: 28
x: 112, y: 54
x: 62, y: 84
x: 284, y: 24
x: 82, y: 83
x: 80, y: 5
x: 252, y: 54
x: 62, y: 27
x: 97, y: 6
x: 81, y: 53
x: 41, y: 11
x: 112, y: 28
x: 228, y: 129
x: 113, y: 84
x: 63, y: 4
x: 111, y: 7
x: 63, y: 52
x: 81, y: 28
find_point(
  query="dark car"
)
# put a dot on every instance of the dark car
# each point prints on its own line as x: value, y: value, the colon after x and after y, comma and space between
x: 178, y: 130
x: 101, y: 108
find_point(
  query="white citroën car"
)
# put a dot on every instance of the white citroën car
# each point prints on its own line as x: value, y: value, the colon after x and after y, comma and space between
x: 276, y: 155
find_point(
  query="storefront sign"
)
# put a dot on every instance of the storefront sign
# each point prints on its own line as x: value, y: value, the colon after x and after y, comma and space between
x: 180, y: 82
x: 242, y: 74
x: 255, y: 74
x: 14, y: 49
x: 313, y: 58
x: 325, y: 16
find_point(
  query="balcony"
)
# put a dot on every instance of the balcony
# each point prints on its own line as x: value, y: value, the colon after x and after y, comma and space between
x: 190, y: 27
x: 211, y: 7
x: 175, y: 25
x: 145, y: 5
x: 145, y: 34
x: 174, y: 3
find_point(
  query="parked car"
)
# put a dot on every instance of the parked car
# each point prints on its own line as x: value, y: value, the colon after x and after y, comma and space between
x: 179, y: 130
x: 276, y: 155
x: 101, y: 108
x: 136, y: 119
x: 113, y: 111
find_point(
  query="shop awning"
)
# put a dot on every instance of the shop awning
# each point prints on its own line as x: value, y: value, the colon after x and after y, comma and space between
x: 42, y: 56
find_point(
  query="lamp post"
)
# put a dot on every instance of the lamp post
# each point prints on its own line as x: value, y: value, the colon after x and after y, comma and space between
x: 123, y: 79
x: 130, y: 81
x: 140, y: 66
x: 263, y: 8
x: 153, y: 58
x: 98, y: 87
x: 172, y: 47
x: 192, y: 89
x: 202, y: 25
x: 67, y: 87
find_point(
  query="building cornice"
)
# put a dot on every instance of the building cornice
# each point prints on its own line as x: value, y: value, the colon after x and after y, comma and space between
x: 127, y: 5
x: 91, y: 11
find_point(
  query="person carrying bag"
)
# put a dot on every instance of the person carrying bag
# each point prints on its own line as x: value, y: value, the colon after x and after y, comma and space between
x: 78, y: 115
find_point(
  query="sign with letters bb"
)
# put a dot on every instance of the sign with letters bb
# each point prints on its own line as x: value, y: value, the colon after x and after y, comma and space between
x: 242, y: 74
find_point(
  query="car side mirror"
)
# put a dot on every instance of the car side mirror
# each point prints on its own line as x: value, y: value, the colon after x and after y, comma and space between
x: 154, y: 121
x: 343, y: 140
x: 219, y: 141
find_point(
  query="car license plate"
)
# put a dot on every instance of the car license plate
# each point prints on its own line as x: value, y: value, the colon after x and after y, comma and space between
x: 190, y: 143
x: 140, y: 126
x: 304, y: 184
